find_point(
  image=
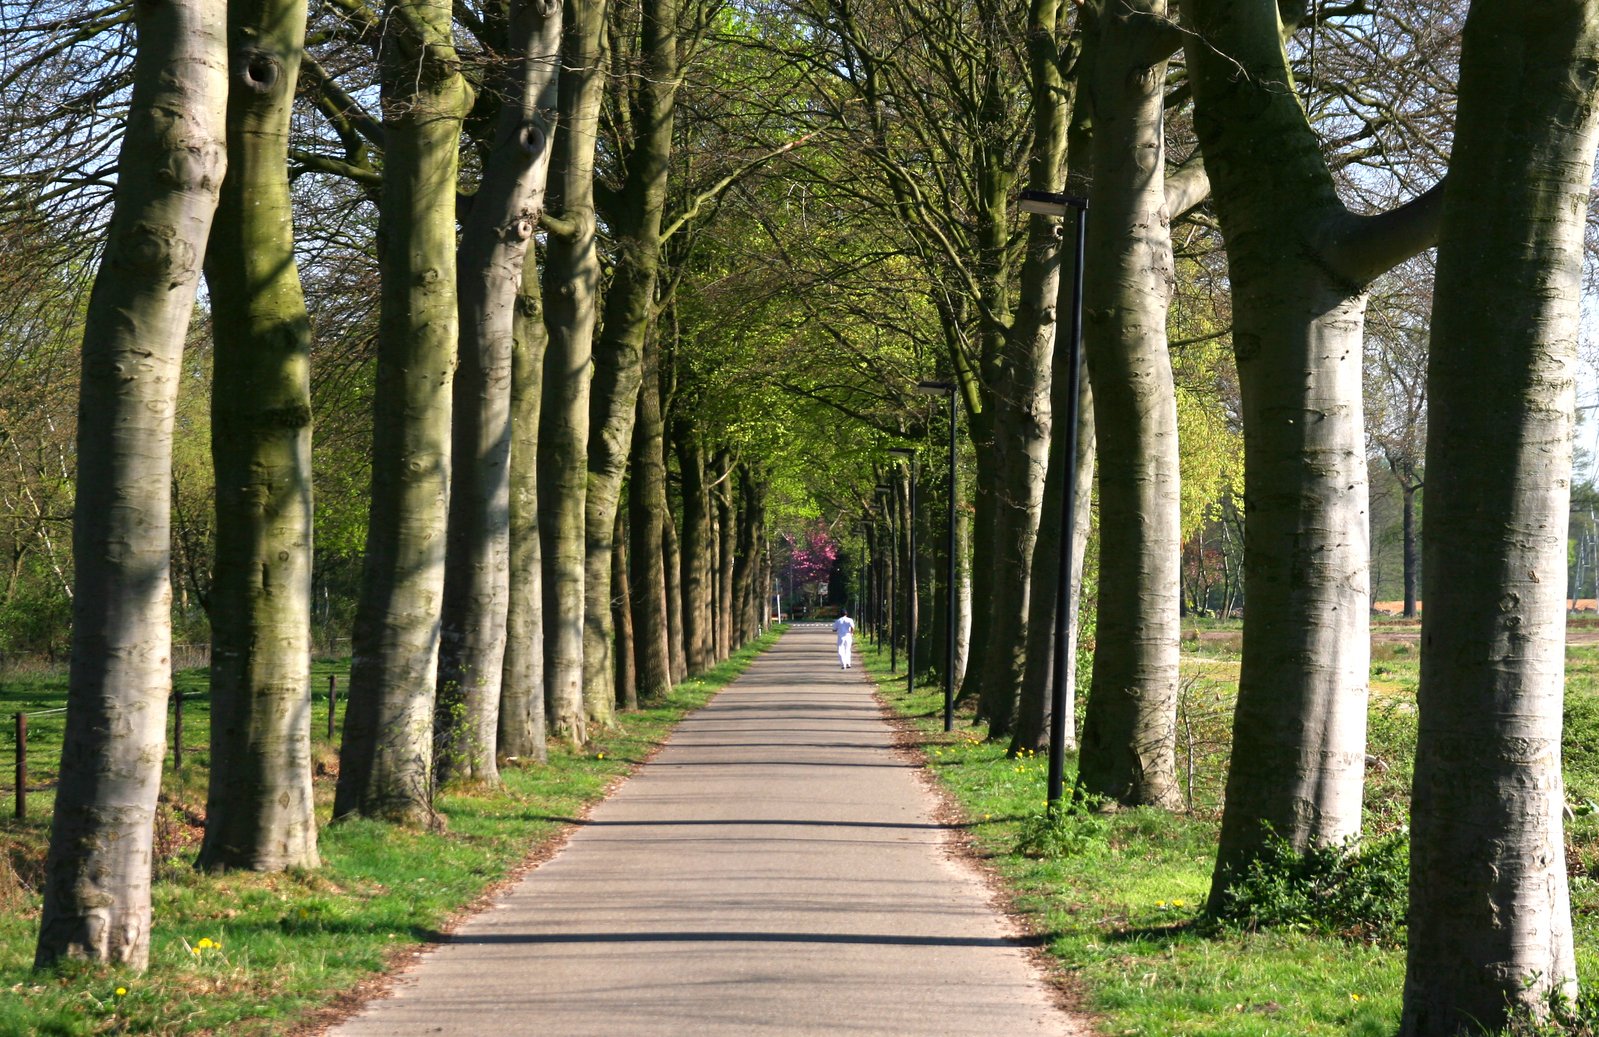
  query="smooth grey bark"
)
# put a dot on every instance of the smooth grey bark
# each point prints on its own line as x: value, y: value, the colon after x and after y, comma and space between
x: 523, y: 732
x: 495, y: 235
x: 98, y: 869
x: 648, y: 518
x: 571, y: 288
x: 1297, y: 261
x: 385, y: 761
x: 1128, y: 753
x: 649, y: 99
x: 1033, y: 709
x: 260, y: 813
x: 1490, y: 916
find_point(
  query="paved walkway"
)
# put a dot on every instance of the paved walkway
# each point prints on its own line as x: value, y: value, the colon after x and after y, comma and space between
x: 775, y: 870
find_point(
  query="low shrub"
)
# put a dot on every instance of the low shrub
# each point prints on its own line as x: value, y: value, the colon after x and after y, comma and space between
x: 1355, y: 890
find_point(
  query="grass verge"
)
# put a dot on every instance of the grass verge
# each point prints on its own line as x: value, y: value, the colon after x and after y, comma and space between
x: 263, y: 954
x: 1117, y: 897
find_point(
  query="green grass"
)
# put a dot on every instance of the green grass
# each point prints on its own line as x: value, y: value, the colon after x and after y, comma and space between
x: 1119, y: 910
x: 288, y: 945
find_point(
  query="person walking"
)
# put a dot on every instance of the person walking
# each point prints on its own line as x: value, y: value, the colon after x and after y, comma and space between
x: 844, y: 627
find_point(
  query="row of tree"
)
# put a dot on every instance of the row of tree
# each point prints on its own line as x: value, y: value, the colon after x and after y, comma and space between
x: 768, y: 221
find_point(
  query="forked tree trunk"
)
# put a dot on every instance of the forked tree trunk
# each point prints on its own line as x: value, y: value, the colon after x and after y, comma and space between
x: 523, y: 729
x: 1129, y: 745
x: 1297, y: 260
x: 629, y: 305
x: 259, y: 808
x: 571, y: 286
x: 1490, y: 915
x: 385, y: 762
x: 494, y: 244
x: 97, y: 874
x: 648, y: 519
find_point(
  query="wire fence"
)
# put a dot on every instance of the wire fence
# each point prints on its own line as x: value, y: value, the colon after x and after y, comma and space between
x: 37, y: 735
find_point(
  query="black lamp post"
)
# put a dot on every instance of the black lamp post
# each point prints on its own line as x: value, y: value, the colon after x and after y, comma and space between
x: 907, y: 455
x: 1045, y: 204
x: 929, y: 387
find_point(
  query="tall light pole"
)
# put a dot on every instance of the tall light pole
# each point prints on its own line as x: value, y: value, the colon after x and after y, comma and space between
x: 930, y: 387
x: 1045, y: 204
x: 907, y: 455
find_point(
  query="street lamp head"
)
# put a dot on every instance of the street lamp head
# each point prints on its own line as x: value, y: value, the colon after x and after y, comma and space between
x: 934, y: 387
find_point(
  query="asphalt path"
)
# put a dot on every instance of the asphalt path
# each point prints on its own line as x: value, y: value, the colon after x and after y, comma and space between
x: 775, y: 869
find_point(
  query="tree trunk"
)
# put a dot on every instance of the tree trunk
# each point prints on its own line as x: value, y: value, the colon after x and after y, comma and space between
x: 696, y: 550
x: 963, y: 593
x: 494, y: 245
x: 259, y: 809
x: 572, y: 274
x: 385, y: 762
x: 1490, y: 916
x: 648, y: 519
x: 1129, y: 745
x: 746, y: 567
x: 727, y: 541
x: 1033, y: 711
x: 1409, y: 489
x: 1023, y: 705
x: 626, y: 679
x: 672, y: 558
x: 1297, y: 260
x: 523, y: 729
x: 97, y: 874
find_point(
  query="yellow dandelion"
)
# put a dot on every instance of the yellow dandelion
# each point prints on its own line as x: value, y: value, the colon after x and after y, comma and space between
x: 1354, y: 997
x: 1176, y: 903
x: 121, y: 991
x: 205, y: 943
x: 601, y: 756
x: 1160, y: 903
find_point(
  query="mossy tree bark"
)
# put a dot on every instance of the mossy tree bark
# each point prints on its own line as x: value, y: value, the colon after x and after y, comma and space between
x: 523, y: 728
x: 259, y: 807
x: 495, y: 235
x: 648, y: 100
x: 385, y: 762
x: 571, y: 287
x: 695, y: 550
x: 1298, y: 261
x: 1490, y: 916
x: 98, y: 870
x: 648, y: 518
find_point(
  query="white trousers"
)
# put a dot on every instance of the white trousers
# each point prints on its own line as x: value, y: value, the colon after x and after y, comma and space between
x: 845, y: 641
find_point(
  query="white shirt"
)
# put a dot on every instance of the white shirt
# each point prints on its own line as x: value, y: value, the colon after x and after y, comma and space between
x: 843, y: 626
